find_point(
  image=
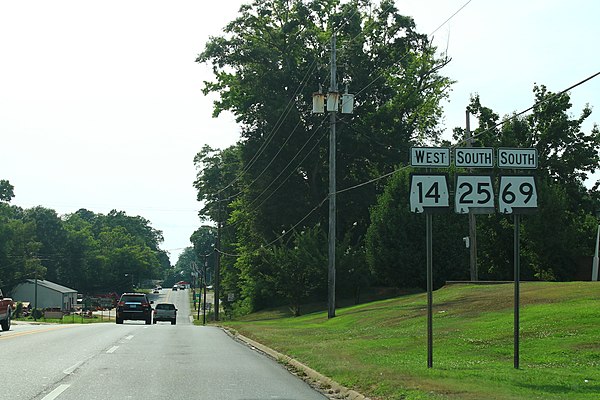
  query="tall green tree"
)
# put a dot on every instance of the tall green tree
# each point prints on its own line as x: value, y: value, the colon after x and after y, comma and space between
x: 567, y: 154
x: 52, y: 236
x: 395, y: 246
x: 6, y: 190
x: 298, y: 270
x: 267, y: 64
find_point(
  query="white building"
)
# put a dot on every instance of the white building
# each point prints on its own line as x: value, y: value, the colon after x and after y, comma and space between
x: 49, y: 294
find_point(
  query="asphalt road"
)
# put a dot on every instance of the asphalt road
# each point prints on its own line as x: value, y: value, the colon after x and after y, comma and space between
x: 138, y: 361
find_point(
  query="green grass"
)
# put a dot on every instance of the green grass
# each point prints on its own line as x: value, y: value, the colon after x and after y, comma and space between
x: 380, y: 348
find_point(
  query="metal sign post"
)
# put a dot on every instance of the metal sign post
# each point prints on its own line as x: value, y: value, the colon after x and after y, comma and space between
x: 595, y: 259
x: 429, y: 239
x: 517, y: 262
x: 518, y: 195
x: 429, y: 193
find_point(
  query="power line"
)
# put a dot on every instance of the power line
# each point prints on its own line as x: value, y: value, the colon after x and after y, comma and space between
x: 284, y: 115
x: 480, y: 133
x: 268, y: 140
x: 289, y: 163
x: 406, y: 55
x: 282, y: 171
x: 299, y: 222
x: 278, y: 125
x: 532, y: 107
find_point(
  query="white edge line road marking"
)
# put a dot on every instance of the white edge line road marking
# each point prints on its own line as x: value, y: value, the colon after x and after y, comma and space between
x: 112, y: 349
x: 72, y: 368
x: 56, y: 392
x: 129, y: 337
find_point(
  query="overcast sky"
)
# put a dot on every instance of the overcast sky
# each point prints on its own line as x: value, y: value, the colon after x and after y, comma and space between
x: 101, y: 105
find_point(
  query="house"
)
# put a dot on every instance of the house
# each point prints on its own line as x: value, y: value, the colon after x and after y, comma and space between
x: 49, y: 294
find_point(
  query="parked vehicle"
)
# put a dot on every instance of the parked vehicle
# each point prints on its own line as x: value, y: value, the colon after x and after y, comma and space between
x: 134, y: 306
x: 175, y: 287
x: 6, y: 307
x: 165, y: 312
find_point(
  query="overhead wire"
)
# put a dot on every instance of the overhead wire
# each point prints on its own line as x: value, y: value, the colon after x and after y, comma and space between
x: 279, y: 122
x: 289, y: 163
x: 360, y: 91
x: 315, y: 130
x: 267, y: 166
x: 473, y: 137
x: 553, y: 96
x: 479, y: 133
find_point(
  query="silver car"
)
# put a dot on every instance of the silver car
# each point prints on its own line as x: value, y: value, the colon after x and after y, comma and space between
x: 165, y: 312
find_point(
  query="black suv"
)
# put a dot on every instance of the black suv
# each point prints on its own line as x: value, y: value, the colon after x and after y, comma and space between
x: 134, y: 306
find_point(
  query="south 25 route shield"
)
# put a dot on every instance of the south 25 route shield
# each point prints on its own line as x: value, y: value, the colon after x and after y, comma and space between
x: 474, y: 193
x: 428, y: 192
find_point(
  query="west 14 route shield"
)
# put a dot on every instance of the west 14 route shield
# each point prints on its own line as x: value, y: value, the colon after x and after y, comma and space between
x: 428, y: 192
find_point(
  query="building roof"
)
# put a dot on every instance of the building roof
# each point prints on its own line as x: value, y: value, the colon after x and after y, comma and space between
x: 53, y: 286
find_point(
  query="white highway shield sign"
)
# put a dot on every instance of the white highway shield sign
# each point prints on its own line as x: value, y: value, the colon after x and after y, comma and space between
x: 517, y: 194
x: 474, y: 192
x: 428, y: 192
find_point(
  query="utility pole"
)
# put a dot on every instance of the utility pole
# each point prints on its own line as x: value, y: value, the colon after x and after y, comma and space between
x: 332, y: 183
x: 204, y: 290
x: 472, y: 218
x: 35, y: 296
x: 217, y: 278
x: 333, y: 99
x: 595, y: 259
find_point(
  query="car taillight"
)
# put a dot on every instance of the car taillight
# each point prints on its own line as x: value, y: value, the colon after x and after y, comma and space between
x: 145, y: 305
x: 121, y: 304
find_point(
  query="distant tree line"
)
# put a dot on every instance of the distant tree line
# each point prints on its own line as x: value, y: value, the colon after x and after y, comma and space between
x: 86, y: 251
x: 269, y: 190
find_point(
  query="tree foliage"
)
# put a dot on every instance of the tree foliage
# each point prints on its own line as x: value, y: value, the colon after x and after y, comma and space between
x: 86, y: 251
x: 266, y: 66
x: 553, y: 238
x: 273, y: 184
x: 6, y: 190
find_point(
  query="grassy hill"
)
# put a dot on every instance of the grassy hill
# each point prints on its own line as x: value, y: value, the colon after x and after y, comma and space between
x: 380, y: 348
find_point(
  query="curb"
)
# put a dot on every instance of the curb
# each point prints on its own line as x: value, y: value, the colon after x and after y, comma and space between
x: 315, y: 379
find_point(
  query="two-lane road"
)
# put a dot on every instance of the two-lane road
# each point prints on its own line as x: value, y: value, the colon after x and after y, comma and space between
x: 137, y: 361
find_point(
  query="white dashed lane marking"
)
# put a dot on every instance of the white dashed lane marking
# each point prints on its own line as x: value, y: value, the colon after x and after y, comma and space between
x: 56, y: 392
x: 112, y: 349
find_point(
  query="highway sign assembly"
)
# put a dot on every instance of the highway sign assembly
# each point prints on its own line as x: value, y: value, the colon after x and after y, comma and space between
x: 474, y: 194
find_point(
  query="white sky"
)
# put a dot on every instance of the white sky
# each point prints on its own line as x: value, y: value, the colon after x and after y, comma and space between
x: 101, y: 108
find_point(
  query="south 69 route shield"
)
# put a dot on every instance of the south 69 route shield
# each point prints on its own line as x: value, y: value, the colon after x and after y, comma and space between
x: 428, y: 192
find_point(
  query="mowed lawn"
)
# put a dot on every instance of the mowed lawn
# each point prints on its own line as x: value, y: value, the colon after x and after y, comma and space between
x: 380, y: 348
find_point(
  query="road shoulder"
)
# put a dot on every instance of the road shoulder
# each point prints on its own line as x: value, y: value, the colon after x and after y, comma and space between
x: 318, y: 381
